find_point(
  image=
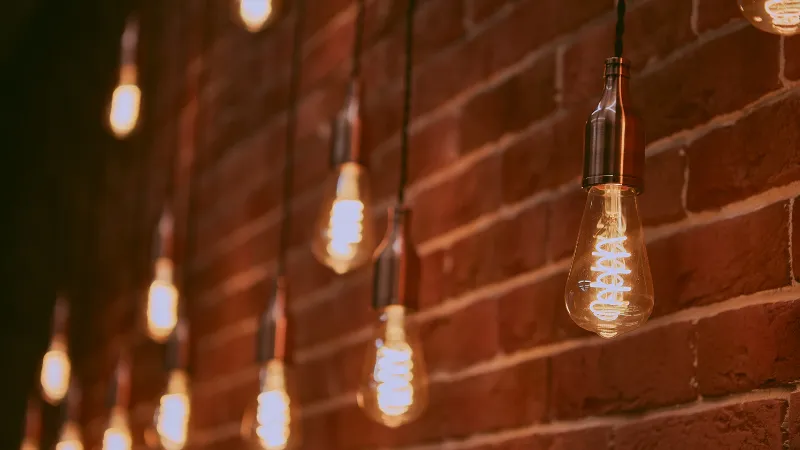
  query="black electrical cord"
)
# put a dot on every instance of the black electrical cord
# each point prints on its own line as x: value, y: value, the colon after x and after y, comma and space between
x: 620, y: 28
x: 408, y: 82
x: 291, y: 125
x: 358, y: 40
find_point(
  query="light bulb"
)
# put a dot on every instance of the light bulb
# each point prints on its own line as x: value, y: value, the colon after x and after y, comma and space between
x: 271, y: 423
x: 124, y: 109
x: 118, y: 434
x: 609, y: 289
x: 345, y: 236
x: 162, y: 302
x: 773, y: 16
x: 172, y: 420
x: 28, y: 444
x: 56, y: 369
x: 70, y: 438
x: 394, y: 390
x: 255, y: 13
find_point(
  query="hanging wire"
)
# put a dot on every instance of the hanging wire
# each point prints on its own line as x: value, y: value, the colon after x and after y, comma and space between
x: 358, y: 40
x: 408, y: 82
x: 291, y: 125
x: 620, y: 28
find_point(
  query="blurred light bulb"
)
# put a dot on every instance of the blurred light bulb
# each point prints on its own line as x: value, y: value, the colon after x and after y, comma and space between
x: 28, y: 444
x: 56, y: 369
x: 172, y: 421
x: 255, y: 13
x: 125, y: 102
x: 162, y: 302
x: 345, y: 236
x: 271, y: 424
x: 70, y: 438
x: 118, y: 434
x: 609, y: 289
x: 394, y: 390
x: 773, y: 16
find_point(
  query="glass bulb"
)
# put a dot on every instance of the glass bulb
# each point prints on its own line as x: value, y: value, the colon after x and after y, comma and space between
x: 162, y: 302
x: 255, y: 13
x: 394, y: 390
x: 124, y: 109
x: 56, y: 369
x: 28, y: 444
x: 118, y: 434
x: 70, y: 438
x: 609, y: 289
x: 272, y: 423
x: 345, y: 236
x: 172, y: 418
x: 773, y: 16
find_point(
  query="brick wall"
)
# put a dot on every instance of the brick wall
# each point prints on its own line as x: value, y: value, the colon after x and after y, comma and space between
x: 501, y: 91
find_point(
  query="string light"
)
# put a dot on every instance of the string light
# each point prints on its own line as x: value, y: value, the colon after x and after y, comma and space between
x: 126, y: 99
x: 117, y: 435
x: 163, y: 296
x: 56, y: 366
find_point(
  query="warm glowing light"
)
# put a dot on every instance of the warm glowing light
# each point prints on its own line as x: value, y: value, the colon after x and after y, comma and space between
x: 774, y: 16
x: 27, y: 444
x: 345, y: 236
x: 56, y: 369
x: 255, y: 13
x: 70, y: 438
x: 162, y: 302
x: 395, y: 391
x: 273, y: 413
x: 124, y: 113
x: 118, y: 434
x: 609, y: 290
x: 172, y: 423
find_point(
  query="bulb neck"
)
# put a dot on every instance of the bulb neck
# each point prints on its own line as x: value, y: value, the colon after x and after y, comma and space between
x: 346, y: 129
x: 178, y: 347
x: 396, y: 274
x: 614, y: 139
x: 272, y: 339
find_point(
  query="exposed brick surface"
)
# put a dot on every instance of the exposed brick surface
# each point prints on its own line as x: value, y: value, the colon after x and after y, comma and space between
x: 793, y: 421
x: 662, y: 200
x: 791, y: 54
x: 715, y: 13
x: 754, y: 425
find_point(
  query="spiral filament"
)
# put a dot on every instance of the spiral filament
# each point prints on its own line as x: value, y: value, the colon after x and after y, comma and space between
x: 172, y: 423
x: 610, y: 253
x: 785, y: 14
x: 273, y: 414
x: 345, y: 229
x: 394, y: 367
x: 255, y: 13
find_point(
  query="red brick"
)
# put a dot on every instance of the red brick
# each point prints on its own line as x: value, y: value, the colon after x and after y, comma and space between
x: 233, y: 309
x: 319, y: 13
x: 741, y: 67
x: 653, y: 30
x: 511, y: 106
x: 721, y: 260
x: 744, y: 159
x: 665, y: 176
x: 519, y: 242
x: 795, y: 255
x: 479, y: 10
x: 793, y: 421
x: 791, y: 53
x: 589, y: 439
x: 458, y: 200
x: 754, y: 425
x: 764, y: 349
x: 548, y: 158
x: 328, y: 56
x: 221, y: 360
x: 471, y: 263
x: 606, y: 378
x: 564, y: 220
x: 431, y: 283
x: 534, y: 315
x: 229, y: 404
x: 473, y: 334
x: 715, y: 13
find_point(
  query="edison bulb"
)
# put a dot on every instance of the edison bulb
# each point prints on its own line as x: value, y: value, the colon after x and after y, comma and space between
x: 124, y: 114
x: 271, y: 424
x: 773, y: 16
x: 345, y: 236
x: 609, y: 289
x: 70, y: 438
x: 56, y: 369
x: 118, y: 434
x: 394, y: 388
x: 255, y: 13
x: 162, y: 302
x: 172, y: 418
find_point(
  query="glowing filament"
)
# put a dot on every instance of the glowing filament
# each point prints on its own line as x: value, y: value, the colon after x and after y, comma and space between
x: 345, y: 229
x: 394, y: 366
x: 118, y: 434
x: 162, y: 302
x: 255, y: 13
x: 784, y: 13
x: 273, y: 414
x: 124, y: 108
x: 28, y: 445
x: 56, y: 369
x: 610, y: 264
x: 173, y: 413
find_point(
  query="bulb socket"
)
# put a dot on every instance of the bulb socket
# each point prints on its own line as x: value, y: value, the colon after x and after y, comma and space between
x: 272, y: 326
x: 177, y: 354
x: 614, y: 140
x: 346, y: 129
x: 397, y: 269
x: 120, y: 389
x: 164, y: 239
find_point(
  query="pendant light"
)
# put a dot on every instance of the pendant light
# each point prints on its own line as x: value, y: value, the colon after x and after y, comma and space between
x: 344, y: 235
x: 272, y: 420
x: 780, y: 17
x: 609, y: 289
x: 254, y: 15
x: 163, y: 296
x: 56, y: 366
x: 33, y: 426
x: 117, y: 435
x: 69, y: 438
x: 394, y: 386
x: 126, y: 98
x: 171, y: 421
